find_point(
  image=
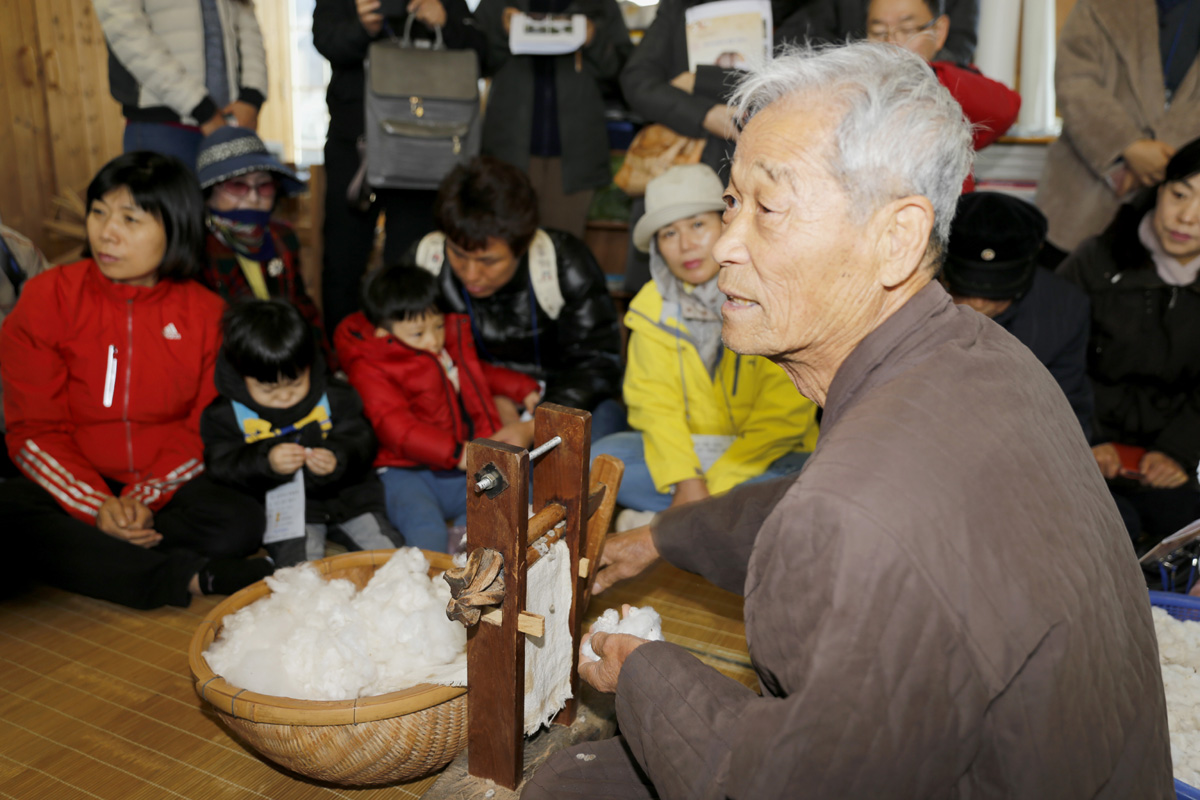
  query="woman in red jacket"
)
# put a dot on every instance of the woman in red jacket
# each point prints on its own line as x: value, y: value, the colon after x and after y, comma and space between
x: 107, y: 364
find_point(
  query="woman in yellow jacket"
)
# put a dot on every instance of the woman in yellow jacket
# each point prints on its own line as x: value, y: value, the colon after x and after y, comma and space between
x: 704, y: 418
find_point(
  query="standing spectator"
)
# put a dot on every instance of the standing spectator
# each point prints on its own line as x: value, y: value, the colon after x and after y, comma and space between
x: 1124, y: 110
x: 837, y: 20
x: 1144, y: 361
x: 546, y: 113
x: 991, y: 266
x: 107, y: 364
x: 249, y: 254
x: 182, y: 68
x: 342, y: 32
x: 659, y: 87
x: 537, y: 300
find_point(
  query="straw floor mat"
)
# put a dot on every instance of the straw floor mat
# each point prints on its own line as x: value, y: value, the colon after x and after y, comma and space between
x: 96, y: 700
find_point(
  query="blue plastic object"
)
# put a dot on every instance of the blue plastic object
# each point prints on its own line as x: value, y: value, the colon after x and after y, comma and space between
x: 1185, y: 607
x: 1185, y: 792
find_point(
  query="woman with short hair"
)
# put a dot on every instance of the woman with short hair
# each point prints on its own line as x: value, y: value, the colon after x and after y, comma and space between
x: 1144, y: 352
x: 107, y: 364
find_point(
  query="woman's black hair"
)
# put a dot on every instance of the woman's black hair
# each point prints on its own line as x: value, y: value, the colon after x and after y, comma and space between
x: 266, y: 339
x: 398, y: 293
x: 1185, y: 163
x: 164, y: 187
x: 487, y: 198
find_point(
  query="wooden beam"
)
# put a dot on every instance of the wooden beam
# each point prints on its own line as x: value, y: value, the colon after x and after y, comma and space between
x: 496, y: 654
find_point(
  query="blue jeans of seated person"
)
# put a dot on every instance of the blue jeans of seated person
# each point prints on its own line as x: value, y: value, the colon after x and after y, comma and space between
x: 608, y: 417
x: 169, y: 140
x: 637, y: 487
x: 419, y: 501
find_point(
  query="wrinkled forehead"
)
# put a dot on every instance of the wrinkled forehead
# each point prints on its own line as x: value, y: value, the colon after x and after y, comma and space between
x: 790, y: 143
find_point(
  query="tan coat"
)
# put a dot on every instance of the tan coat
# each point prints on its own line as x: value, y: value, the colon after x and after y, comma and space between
x: 1109, y: 80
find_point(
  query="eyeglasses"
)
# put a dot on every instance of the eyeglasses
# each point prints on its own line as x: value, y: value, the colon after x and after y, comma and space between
x: 239, y: 189
x: 900, y: 35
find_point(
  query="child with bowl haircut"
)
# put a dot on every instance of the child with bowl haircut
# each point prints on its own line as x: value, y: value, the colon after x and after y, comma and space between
x: 280, y: 420
x: 428, y: 394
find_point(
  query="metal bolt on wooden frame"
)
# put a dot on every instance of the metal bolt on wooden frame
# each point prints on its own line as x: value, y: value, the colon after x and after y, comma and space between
x: 503, y: 541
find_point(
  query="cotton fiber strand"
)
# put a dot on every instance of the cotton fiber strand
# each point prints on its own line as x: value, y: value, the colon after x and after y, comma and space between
x: 644, y: 623
x: 1179, y: 654
x: 313, y: 639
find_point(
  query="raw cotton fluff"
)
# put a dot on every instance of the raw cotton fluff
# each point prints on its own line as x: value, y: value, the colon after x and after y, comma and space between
x: 644, y: 623
x: 313, y: 639
x: 1179, y: 653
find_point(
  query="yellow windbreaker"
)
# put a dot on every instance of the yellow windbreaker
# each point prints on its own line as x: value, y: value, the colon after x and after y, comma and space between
x: 670, y: 396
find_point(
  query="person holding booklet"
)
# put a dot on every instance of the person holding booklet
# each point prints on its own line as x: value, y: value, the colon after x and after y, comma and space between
x: 663, y: 84
x: 704, y: 418
x: 546, y: 112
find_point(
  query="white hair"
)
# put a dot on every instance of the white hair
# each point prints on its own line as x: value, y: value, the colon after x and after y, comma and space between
x: 902, y: 133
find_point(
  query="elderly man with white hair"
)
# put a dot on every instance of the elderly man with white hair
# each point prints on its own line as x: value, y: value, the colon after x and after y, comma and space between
x: 944, y: 602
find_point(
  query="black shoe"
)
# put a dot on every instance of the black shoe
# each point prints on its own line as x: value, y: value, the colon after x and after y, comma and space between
x: 228, y: 575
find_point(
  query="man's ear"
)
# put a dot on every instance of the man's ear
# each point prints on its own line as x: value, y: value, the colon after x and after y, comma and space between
x: 907, y: 223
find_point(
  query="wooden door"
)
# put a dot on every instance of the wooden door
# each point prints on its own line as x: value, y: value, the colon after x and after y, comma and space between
x: 54, y: 97
x: 26, y: 170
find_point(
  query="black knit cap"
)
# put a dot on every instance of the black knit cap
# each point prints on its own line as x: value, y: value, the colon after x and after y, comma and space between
x: 994, y: 242
x: 1185, y: 163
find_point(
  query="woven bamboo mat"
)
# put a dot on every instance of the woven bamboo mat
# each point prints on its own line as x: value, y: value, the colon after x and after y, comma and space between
x: 96, y: 700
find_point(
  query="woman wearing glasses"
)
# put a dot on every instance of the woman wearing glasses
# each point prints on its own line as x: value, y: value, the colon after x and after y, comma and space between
x: 250, y: 255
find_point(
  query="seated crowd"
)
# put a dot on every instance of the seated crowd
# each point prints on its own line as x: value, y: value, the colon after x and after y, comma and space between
x: 166, y: 390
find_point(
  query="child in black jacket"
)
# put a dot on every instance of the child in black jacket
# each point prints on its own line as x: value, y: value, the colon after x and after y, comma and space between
x: 287, y: 434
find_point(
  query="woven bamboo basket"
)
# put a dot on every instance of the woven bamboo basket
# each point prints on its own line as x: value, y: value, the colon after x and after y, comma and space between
x: 368, y: 741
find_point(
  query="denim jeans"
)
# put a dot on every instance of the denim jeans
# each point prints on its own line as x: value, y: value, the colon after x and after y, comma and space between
x: 608, y: 417
x: 637, y: 487
x: 170, y: 140
x: 419, y: 501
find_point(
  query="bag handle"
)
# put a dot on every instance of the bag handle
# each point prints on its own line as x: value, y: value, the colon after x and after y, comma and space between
x: 407, y: 40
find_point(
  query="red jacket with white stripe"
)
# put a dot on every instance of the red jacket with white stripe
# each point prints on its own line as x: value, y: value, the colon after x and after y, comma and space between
x: 105, y: 380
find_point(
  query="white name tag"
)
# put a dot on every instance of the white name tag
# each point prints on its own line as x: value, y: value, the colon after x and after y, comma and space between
x: 285, y: 511
x: 709, y: 447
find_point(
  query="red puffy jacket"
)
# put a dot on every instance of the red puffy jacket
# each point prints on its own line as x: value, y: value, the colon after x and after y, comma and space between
x: 989, y: 105
x: 107, y: 380
x: 419, y: 418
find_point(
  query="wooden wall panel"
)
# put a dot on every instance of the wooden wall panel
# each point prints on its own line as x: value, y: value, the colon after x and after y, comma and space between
x: 26, y: 172
x: 78, y: 102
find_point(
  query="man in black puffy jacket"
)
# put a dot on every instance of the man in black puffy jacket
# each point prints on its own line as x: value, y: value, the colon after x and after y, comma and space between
x: 537, y: 299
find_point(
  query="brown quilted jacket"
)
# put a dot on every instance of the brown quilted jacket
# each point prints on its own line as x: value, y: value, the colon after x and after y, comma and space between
x: 944, y: 604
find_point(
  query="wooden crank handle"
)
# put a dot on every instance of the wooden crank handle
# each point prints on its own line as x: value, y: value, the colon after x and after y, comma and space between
x: 480, y: 583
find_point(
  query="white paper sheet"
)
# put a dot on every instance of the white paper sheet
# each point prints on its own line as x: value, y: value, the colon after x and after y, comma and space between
x: 285, y: 511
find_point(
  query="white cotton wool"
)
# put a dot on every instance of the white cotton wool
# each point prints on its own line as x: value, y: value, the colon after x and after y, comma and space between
x: 1179, y: 655
x: 313, y: 639
x: 644, y: 623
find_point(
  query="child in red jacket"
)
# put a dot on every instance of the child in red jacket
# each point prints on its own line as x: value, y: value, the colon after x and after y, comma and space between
x: 427, y: 394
